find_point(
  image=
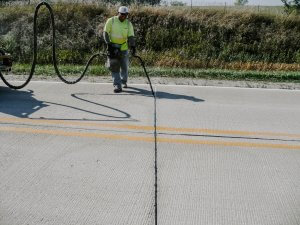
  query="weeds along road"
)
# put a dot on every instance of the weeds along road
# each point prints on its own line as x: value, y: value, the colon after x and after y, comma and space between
x: 82, y: 155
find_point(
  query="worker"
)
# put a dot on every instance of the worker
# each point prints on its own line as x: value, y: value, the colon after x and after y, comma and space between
x: 119, y: 36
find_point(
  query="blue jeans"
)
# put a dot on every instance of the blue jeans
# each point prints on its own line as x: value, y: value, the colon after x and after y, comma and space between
x: 122, y: 74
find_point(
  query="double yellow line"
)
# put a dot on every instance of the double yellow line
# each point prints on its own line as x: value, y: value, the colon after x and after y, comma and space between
x: 146, y: 139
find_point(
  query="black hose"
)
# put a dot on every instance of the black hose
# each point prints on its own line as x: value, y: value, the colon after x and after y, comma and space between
x: 143, y: 65
x: 53, y: 52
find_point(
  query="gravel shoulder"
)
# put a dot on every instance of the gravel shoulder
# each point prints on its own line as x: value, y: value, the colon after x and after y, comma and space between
x: 172, y: 81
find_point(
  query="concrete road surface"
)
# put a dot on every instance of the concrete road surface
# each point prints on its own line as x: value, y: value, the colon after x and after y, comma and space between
x: 82, y: 155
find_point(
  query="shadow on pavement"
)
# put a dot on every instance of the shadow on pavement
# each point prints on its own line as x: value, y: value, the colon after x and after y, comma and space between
x: 22, y: 104
x: 19, y: 103
x: 160, y: 94
x: 125, y: 116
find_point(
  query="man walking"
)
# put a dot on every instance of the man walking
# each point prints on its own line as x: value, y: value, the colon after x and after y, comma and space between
x: 119, y: 35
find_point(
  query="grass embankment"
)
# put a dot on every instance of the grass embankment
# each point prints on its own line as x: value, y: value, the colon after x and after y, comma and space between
x: 218, y: 74
x: 194, y: 43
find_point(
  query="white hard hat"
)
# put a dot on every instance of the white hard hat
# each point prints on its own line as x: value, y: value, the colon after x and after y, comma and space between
x: 123, y: 9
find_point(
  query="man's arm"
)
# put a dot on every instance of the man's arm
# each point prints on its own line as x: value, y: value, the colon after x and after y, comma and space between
x: 131, y: 44
x: 106, y: 38
x: 131, y: 39
x: 107, y: 30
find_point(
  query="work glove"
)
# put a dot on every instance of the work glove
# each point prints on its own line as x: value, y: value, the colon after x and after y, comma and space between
x: 110, y: 48
x: 133, y: 51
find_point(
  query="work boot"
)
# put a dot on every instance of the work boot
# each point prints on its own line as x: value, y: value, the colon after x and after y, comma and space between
x: 117, y: 89
x: 124, y: 84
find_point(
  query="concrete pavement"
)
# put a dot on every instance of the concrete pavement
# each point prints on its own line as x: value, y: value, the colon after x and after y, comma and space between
x: 82, y: 155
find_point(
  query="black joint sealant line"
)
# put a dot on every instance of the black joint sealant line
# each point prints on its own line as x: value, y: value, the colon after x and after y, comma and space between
x: 155, y: 159
x: 78, y: 79
x: 155, y: 141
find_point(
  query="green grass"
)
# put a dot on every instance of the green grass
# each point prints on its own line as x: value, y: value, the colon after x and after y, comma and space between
x: 198, y: 35
x: 98, y: 70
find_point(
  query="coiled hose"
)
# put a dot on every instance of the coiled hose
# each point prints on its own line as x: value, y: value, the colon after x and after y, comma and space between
x: 53, y: 52
x: 54, y: 59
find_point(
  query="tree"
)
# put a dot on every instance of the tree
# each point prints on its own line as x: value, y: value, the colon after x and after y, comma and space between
x: 241, y: 2
x: 4, y: 2
x: 292, y: 6
x: 177, y: 3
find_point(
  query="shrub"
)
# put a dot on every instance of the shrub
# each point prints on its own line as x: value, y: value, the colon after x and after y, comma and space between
x: 292, y: 6
x: 163, y: 35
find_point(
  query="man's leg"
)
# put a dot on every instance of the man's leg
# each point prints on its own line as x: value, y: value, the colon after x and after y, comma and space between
x: 115, y: 73
x: 117, y: 81
x: 124, y: 67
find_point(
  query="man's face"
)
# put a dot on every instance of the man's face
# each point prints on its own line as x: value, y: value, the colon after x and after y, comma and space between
x: 122, y: 16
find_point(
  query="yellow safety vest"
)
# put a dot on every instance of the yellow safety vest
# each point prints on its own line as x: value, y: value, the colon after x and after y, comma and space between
x: 119, y: 31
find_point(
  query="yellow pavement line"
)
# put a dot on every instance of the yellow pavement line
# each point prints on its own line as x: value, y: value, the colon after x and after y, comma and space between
x: 150, y: 139
x: 140, y: 127
x: 227, y: 132
x: 76, y: 134
x: 74, y: 123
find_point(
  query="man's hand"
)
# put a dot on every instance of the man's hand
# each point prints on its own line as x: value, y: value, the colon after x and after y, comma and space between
x: 133, y: 50
x: 112, y: 51
x: 110, y: 48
